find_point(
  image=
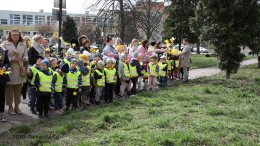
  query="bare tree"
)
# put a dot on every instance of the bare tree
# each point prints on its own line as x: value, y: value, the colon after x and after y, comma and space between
x: 44, y: 29
x: 88, y: 31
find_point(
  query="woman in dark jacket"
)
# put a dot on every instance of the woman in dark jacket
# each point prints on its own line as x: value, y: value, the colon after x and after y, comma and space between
x: 4, y: 78
x: 37, y: 49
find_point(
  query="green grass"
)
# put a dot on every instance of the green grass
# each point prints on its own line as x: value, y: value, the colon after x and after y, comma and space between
x: 200, y: 61
x: 206, y: 111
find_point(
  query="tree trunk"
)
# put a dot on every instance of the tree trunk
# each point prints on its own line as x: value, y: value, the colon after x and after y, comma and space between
x: 258, y: 61
x: 227, y: 75
x: 122, y: 26
x: 180, y: 40
x: 198, y: 47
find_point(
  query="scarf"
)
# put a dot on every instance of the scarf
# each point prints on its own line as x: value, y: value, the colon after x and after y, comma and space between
x: 39, y: 48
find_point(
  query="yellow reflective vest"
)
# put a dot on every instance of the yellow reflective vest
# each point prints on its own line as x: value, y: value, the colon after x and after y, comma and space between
x: 152, y: 69
x: 110, y: 75
x: 73, y: 80
x: 133, y: 71
x: 45, y: 82
x: 100, y: 82
x: 161, y: 72
x: 34, y: 72
x: 59, y: 82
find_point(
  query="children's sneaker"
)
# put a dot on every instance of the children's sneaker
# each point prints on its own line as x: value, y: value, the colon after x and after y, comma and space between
x: 177, y: 79
x: 123, y: 97
x: 47, y: 116
x: 132, y: 96
x: 56, y: 112
x: 61, y: 111
x: 2, y: 119
x: 87, y: 102
x: 42, y: 117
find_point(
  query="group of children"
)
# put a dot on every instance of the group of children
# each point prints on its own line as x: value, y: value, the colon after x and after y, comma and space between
x: 87, y: 78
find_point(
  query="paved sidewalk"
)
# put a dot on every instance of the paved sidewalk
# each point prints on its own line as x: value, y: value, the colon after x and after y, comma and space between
x: 28, y: 118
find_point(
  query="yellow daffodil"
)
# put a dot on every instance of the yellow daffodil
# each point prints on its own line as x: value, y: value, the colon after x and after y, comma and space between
x: 97, y: 50
x: 65, y: 43
x: 1, y: 72
x: 7, y: 72
x: 57, y: 44
x: 9, y: 67
x: 107, y: 76
x: 92, y: 63
x: 175, y: 51
x: 41, y: 88
x: 60, y: 38
x: 74, y: 93
x: 166, y: 41
x: 57, y: 65
x: 30, y: 43
x: 168, y: 58
x: 47, y: 49
x: 172, y: 39
x: 28, y: 48
x: 146, y: 80
x: 0, y: 57
x: 139, y: 43
x: 73, y: 44
x: 120, y: 47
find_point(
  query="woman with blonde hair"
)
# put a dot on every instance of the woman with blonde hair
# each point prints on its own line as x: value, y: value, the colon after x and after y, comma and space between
x: 17, y: 54
x: 133, y: 46
x: 120, y: 49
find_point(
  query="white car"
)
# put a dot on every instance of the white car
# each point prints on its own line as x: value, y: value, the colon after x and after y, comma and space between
x: 94, y: 47
x: 202, y: 50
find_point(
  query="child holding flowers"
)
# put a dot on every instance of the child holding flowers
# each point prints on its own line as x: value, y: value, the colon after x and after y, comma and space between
x: 153, y: 70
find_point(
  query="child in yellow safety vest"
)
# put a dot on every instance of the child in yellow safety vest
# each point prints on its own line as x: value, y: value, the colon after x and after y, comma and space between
x: 145, y: 76
x: 153, y: 70
x: 43, y: 80
x: 177, y: 69
x: 110, y: 80
x: 69, y: 56
x: 99, y: 77
x: 163, y: 68
x: 93, y: 68
x: 86, y: 86
x: 124, y: 71
x: 73, y: 82
x: 135, y: 72
x: 57, y: 81
x: 31, y: 76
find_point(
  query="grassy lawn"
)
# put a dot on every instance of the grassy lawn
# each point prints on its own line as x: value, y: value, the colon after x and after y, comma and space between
x: 206, y: 111
x: 200, y: 61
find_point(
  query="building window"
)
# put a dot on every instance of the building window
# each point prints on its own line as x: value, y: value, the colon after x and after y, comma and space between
x: 86, y: 21
x: 27, y: 19
x: 14, y: 19
x: 51, y: 22
x: 26, y: 33
x: 3, y: 21
x: 34, y: 33
x: 39, y: 20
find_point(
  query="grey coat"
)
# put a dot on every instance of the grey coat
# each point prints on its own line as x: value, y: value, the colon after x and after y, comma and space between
x: 185, y: 56
x: 108, y: 48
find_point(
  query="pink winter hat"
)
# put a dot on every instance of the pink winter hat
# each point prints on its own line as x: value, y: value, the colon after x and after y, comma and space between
x: 111, y: 55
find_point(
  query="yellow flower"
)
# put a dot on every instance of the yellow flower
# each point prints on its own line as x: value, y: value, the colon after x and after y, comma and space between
x: 28, y: 48
x: 9, y: 68
x: 172, y: 39
x: 97, y: 50
x: 60, y: 38
x: 166, y: 41
x: 0, y: 57
x: 73, y: 44
x: 74, y: 93
x: 120, y: 47
x: 7, y: 72
x: 65, y: 43
x: 168, y: 58
x: 47, y: 49
x: 139, y: 43
x: 1, y: 72
x: 41, y: 88
x: 92, y: 63
x: 107, y: 76
x: 57, y: 44
x: 30, y: 43
x: 146, y: 80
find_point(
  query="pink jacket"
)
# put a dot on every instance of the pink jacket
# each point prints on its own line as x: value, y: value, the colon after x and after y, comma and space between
x: 142, y: 50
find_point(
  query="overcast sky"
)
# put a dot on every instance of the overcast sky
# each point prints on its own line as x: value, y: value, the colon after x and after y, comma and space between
x: 73, y: 6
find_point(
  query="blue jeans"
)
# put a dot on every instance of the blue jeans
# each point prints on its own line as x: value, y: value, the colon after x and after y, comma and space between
x: 33, y: 98
x: 57, y: 100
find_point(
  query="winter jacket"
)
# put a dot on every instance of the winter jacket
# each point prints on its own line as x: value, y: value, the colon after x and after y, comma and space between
x: 108, y: 48
x: 96, y: 76
x: 32, y: 55
x: 157, y: 67
x: 133, y: 48
x: 83, y: 48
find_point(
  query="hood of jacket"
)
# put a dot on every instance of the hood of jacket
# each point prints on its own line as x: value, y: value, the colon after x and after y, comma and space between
x: 134, y: 62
